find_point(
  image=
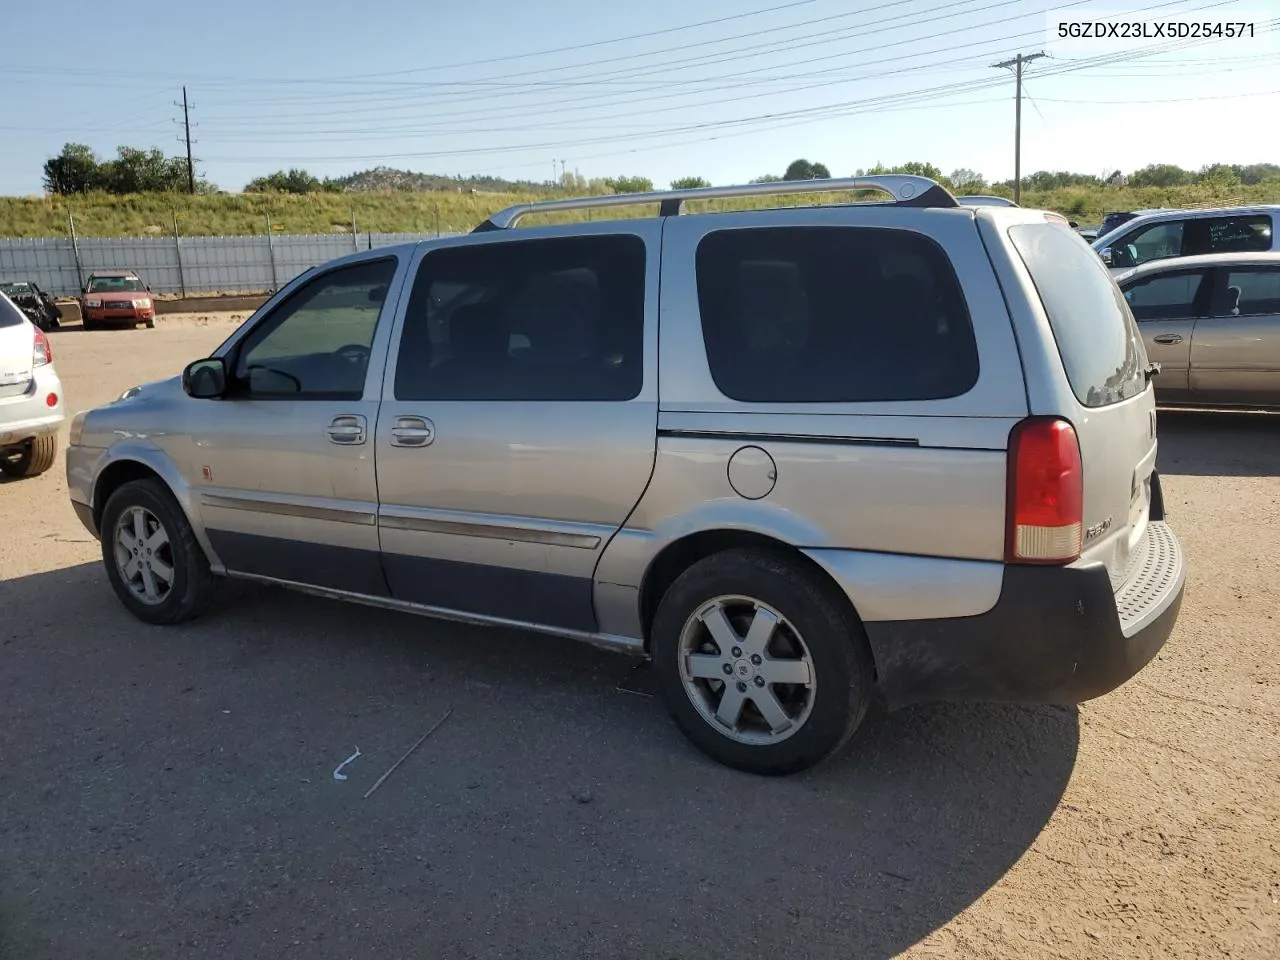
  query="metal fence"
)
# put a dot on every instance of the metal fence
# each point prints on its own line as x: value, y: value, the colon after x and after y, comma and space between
x: 183, y: 265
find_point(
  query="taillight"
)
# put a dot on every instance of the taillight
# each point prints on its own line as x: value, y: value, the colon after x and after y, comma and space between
x: 43, y: 351
x: 1046, y: 492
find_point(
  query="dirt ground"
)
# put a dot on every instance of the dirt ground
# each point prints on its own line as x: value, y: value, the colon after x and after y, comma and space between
x: 169, y: 793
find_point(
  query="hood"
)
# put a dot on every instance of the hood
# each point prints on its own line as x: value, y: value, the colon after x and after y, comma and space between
x: 118, y: 296
x: 149, y: 390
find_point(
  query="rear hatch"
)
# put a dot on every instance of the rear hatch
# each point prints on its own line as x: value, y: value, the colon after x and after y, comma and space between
x: 1105, y: 363
x: 17, y: 350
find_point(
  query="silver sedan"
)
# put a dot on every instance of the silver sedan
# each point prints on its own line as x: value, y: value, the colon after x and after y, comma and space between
x: 1212, y: 322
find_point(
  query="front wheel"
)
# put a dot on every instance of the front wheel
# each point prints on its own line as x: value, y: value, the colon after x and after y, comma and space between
x: 760, y: 663
x: 153, y: 560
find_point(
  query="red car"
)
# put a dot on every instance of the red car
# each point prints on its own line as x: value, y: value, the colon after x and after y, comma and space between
x: 116, y: 297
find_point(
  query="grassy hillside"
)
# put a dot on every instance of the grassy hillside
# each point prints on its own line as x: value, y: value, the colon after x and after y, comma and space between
x: 392, y: 212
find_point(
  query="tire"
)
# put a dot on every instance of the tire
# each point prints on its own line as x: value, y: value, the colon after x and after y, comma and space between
x: 190, y: 587
x: 32, y: 459
x: 151, y: 323
x: 815, y: 623
x: 88, y: 324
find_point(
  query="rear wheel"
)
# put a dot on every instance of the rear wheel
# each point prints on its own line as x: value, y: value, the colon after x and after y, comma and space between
x: 88, y: 324
x: 153, y: 560
x: 151, y: 323
x: 30, y: 459
x: 761, y: 665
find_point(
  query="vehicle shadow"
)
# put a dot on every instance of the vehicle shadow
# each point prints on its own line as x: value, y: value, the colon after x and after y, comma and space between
x: 1218, y: 444
x: 172, y: 790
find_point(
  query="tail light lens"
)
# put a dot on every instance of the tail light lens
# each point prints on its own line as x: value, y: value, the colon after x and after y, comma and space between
x: 43, y: 351
x: 1046, y: 492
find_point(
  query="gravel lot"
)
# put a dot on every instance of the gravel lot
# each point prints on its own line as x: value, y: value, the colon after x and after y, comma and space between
x: 169, y: 792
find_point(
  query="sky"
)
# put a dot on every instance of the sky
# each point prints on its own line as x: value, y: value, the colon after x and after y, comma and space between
x: 663, y: 89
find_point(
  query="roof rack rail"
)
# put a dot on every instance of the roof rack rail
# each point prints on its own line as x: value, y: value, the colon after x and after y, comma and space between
x: 907, y: 190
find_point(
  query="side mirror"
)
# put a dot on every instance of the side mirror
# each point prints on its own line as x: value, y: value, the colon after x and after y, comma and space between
x: 1105, y: 254
x: 148, y: 288
x: 205, y: 379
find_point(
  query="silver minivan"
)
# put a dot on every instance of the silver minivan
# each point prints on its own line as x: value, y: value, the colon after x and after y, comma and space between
x: 803, y: 459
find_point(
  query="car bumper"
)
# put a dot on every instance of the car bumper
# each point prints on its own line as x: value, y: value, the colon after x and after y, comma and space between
x: 132, y: 315
x: 83, y: 464
x: 30, y: 414
x: 1056, y: 635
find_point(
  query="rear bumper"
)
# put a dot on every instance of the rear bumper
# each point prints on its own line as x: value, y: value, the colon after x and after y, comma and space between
x: 29, y: 416
x: 1056, y: 635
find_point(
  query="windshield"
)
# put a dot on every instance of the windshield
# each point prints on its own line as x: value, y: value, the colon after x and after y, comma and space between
x: 115, y: 285
x: 12, y: 288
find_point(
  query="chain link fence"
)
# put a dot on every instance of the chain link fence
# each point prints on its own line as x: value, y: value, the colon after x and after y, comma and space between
x: 184, y: 266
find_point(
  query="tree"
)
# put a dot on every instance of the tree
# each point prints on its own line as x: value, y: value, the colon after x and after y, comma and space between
x: 967, y: 181
x: 285, y: 181
x: 1218, y: 175
x: 1160, y: 175
x: 912, y: 167
x: 144, y: 171
x: 690, y: 183
x: 804, y: 170
x: 75, y: 170
x: 629, y: 184
x: 1255, y: 173
x: 768, y: 178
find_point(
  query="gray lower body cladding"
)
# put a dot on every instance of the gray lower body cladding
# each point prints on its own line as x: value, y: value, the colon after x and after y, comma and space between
x: 1054, y: 636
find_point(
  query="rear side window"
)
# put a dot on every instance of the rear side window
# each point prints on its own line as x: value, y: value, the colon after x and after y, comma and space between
x: 10, y: 316
x: 1097, y: 338
x: 1245, y: 234
x: 1253, y: 291
x: 834, y: 315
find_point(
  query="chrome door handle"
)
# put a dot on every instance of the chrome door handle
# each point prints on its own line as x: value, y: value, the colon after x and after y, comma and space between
x: 348, y: 430
x: 1167, y: 338
x: 412, y: 432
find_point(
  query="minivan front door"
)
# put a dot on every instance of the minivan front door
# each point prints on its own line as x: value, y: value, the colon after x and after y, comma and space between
x: 518, y: 427
x: 1166, y: 306
x: 283, y: 465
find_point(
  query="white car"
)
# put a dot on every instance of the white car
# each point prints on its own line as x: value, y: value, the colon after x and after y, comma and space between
x: 31, y: 403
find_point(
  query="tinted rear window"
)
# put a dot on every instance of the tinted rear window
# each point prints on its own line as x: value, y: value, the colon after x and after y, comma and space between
x: 10, y: 316
x: 833, y: 314
x: 1096, y: 335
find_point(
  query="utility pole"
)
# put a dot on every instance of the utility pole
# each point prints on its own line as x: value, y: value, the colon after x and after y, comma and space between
x: 186, y: 123
x: 1017, y: 63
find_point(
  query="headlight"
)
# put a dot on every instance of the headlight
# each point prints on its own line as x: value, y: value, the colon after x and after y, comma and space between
x: 142, y: 304
x: 93, y: 303
x: 129, y: 394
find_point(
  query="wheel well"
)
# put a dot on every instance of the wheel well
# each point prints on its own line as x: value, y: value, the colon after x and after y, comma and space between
x: 677, y: 557
x: 114, y: 477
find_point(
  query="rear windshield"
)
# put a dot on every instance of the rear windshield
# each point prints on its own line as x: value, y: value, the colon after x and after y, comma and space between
x: 1096, y: 335
x: 10, y: 316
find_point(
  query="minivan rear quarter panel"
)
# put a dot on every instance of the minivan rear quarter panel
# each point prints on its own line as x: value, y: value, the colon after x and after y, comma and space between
x: 923, y: 479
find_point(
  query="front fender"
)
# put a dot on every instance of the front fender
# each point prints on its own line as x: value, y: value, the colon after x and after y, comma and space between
x: 101, y: 465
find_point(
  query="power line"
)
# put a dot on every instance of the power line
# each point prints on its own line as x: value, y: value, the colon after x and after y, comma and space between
x: 796, y: 117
